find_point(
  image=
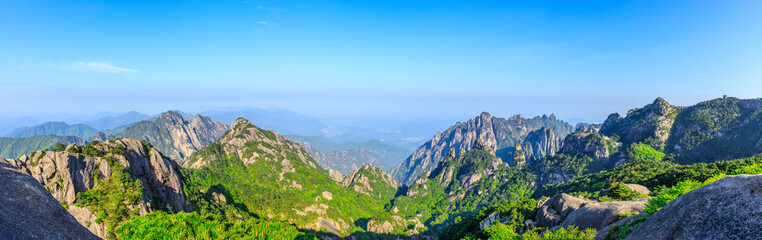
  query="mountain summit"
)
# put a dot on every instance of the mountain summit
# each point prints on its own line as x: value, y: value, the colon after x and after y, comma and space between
x: 499, y: 134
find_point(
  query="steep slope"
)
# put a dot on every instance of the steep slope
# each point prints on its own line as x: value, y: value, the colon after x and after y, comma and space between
x: 499, y: 134
x: 348, y: 156
x: 15, y: 147
x: 459, y: 185
x: 371, y: 181
x: 270, y: 176
x: 175, y: 135
x: 715, y: 130
x: 540, y: 143
x: 27, y: 211
x: 53, y: 128
x: 103, y: 184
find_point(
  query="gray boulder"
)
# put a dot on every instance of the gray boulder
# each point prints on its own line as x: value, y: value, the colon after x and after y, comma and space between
x: 553, y: 211
x: 730, y: 208
x: 601, y: 235
x: 638, y: 188
x: 28, y: 211
x: 600, y: 215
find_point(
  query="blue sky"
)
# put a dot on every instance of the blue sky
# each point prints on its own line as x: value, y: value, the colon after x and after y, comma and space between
x: 376, y: 59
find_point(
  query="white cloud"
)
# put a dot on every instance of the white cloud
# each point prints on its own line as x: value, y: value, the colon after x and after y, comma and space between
x: 262, y: 22
x: 93, y: 67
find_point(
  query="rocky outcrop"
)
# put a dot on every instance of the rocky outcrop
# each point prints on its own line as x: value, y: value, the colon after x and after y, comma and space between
x: 601, y: 235
x: 654, y: 121
x: 540, y: 143
x: 28, y: 211
x: 726, y: 209
x: 553, y: 211
x: 638, y: 188
x: 397, y: 222
x: 519, y: 157
x: 499, y: 134
x: 601, y: 214
x: 584, y: 127
x: 373, y: 181
x: 594, y: 145
x: 176, y: 136
x: 564, y: 210
x: 66, y: 173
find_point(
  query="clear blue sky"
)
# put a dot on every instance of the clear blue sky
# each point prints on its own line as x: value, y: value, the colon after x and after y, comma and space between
x: 367, y: 59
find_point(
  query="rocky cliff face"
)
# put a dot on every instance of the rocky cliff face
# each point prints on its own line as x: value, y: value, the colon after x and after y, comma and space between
x: 540, y: 143
x: 176, y: 136
x: 27, y: 211
x: 67, y: 173
x: 651, y: 124
x: 715, y: 130
x: 372, y: 181
x: 499, y: 134
x: 591, y: 144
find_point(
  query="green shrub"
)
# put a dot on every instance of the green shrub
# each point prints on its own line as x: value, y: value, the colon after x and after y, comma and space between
x: 160, y: 225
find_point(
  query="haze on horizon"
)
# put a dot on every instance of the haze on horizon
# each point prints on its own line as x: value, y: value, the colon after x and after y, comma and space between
x: 363, y: 60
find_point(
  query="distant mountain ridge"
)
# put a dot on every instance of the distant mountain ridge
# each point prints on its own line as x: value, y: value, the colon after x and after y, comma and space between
x: 176, y: 136
x: 13, y: 148
x: 500, y: 134
x: 54, y: 128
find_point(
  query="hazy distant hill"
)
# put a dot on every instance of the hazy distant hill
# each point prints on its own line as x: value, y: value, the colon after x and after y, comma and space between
x: 54, y: 128
x: 13, y: 148
x: 112, y: 122
x: 348, y: 156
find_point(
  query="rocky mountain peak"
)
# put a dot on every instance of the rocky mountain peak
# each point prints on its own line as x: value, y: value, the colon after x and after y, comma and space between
x: 251, y: 143
x: 239, y: 123
x: 371, y: 180
x: 479, y: 144
x: 176, y: 136
x: 496, y: 135
x: 66, y: 173
x: 172, y: 115
x: 659, y: 106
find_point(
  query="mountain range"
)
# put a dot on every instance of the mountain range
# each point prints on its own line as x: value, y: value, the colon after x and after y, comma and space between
x: 486, y: 178
x: 499, y: 134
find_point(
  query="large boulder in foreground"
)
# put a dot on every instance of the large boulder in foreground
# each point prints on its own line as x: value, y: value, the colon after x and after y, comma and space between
x: 554, y: 211
x: 600, y: 215
x: 28, y: 211
x: 730, y: 208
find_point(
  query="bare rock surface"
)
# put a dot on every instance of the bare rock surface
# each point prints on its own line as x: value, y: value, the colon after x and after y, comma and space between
x: 177, y: 136
x: 555, y: 210
x: 28, y: 211
x: 600, y: 214
x: 726, y: 209
x: 499, y: 134
x: 65, y: 173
